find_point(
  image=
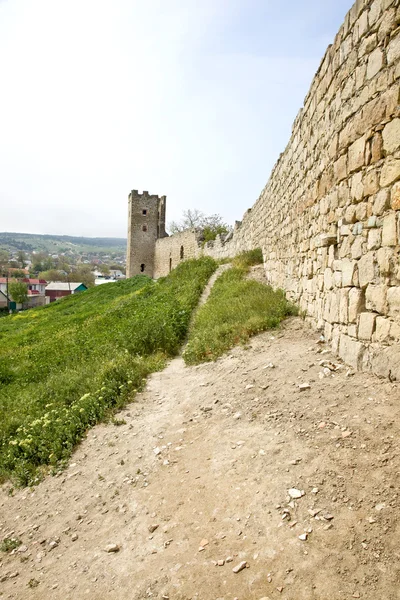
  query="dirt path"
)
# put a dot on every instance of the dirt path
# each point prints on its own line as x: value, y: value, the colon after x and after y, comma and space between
x: 206, y: 459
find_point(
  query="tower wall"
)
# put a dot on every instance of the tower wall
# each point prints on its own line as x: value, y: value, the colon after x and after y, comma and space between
x: 146, y: 223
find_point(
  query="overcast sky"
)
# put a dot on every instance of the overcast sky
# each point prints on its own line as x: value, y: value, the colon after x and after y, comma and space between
x: 194, y: 99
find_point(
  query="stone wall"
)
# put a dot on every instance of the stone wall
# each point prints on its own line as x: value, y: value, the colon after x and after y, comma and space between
x: 170, y: 251
x: 328, y: 220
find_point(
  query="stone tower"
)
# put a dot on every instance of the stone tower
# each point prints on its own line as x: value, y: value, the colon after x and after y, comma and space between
x: 146, y: 223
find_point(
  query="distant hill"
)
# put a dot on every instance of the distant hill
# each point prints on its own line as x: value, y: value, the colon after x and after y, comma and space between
x: 55, y: 244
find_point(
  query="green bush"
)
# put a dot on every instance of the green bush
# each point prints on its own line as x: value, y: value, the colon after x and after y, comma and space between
x: 248, y: 259
x: 236, y: 309
x: 65, y: 366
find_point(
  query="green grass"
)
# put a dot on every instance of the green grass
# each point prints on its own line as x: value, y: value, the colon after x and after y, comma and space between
x: 69, y: 365
x: 248, y: 259
x: 236, y: 309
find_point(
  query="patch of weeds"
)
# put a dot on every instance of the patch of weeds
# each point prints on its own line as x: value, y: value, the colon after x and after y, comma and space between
x: 66, y: 366
x: 118, y: 422
x: 248, y: 259
x: 9, y: 544
x: 33, y: 583
x: 236, y: 309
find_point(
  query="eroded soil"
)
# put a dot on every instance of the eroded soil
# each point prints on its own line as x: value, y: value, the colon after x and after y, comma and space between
x: 207, y: 454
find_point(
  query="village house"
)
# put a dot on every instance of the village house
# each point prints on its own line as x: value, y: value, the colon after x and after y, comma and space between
x: 58, y: 289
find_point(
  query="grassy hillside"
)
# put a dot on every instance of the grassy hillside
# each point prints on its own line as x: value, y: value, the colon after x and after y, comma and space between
x: 55, y: 244
x: 236, y: 309
x: 65, y: 366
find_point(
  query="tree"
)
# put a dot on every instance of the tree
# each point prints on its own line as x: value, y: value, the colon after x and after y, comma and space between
x: 82, y: 275
x: 52, y: 275
x: 104, y: 269
x: 21, y: 259
x: 18, y: 274
x: 18, y: 291
x: 4, y: 259
x: 212, y: 225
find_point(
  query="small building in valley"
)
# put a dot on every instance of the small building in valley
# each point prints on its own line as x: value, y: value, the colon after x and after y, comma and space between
x: 59, y: 289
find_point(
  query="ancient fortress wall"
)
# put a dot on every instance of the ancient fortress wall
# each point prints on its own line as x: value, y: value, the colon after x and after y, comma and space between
x: 328, y: 220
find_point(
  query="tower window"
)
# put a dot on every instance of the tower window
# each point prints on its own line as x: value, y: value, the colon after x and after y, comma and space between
x: 142, y: 267
x: 144, y: 211
x: 144, y: 227
x: 182, y: 253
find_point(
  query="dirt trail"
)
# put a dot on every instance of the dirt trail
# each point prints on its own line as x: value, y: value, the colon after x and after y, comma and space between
x: 200, y: 473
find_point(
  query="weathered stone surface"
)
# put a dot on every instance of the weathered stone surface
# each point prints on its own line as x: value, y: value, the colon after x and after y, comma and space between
x: 348, y: 272
x: 393, y: 50
x: 375, y: 63
x: 356, y: 304
x: 366, y: 269
x: 381, y: 202
x: 386, y: 362
x: 366, y: 325
x: 351, y: 351
x: 395, y: 197
x: 375, y: 298
x: 356, y: 155
x: 393, y: 298
x: 384, y: 257
x: 389, y: 231
x: 376, y: 148
x: 390, y: 172
x: 391, y: 136
x: 382, y: 329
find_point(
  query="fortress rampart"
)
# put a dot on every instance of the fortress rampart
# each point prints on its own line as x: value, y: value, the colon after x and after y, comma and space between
x: 328, y: 220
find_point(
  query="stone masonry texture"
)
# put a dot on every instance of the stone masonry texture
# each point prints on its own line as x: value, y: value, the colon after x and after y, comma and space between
x: 328, y: 220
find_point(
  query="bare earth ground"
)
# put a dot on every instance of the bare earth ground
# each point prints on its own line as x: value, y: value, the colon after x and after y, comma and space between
x: 208, y: 455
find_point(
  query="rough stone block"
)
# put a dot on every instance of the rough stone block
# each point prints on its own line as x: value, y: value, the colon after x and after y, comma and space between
x: 384, y: 257
x: 374, y: 12
x: 344, y: 305
x: 350, y: 215
x: 375, y: 298
x: 393, y: 50
x: 357, y: 187
x: 393, y: 298
x: 371, y: 183
x: 356, y: 303
x: 374, y: 239
x: 352, y: 330
x: 366, y: 269
x: 395, y: 330
x: 395, y: 196
x: 390, y: 172
x: 382, y: 329
x: 366, y: 326
x: 375, y: 63
x: 340, y: 168
x: 391, y: 136
x: 328, y: 282
x: 389, y: 231
x: 357, y: 248
x: 386, y: 362
x: 351, y: 351
x: 381, y: 202
x: 356, y: 155
x: 361, y: 211
x: 348, y: 272
x: 376, y: 148
x: 371, y: 223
